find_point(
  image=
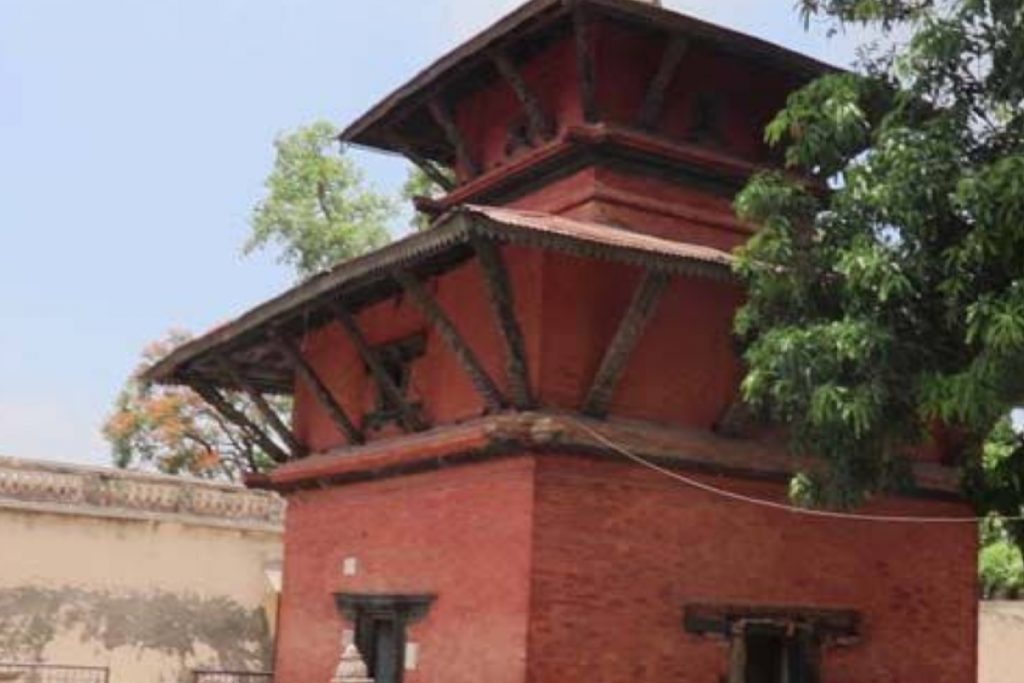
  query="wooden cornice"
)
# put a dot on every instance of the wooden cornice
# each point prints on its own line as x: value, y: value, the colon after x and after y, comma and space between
x: 578, y: 146
x: 563, y: 434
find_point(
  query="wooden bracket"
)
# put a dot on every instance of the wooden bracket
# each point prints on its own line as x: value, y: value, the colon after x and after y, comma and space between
x: 432, y: 311
x: 654, y: 103
x: 585, y: 63
x: 409, y: 416
x: 443, y: 117
x: 323, y: 395
x: 641, y: 309
x: 216, y: 400
x: 499, y: 289
x: 231, y: 370
x: 540, y: 125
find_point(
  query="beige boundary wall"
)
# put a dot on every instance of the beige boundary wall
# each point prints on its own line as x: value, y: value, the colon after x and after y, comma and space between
x: 151, y: 576
x: 1001, y: 642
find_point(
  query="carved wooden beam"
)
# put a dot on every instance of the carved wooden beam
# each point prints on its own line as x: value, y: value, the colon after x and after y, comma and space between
x: 585, y: 63
x: 432, y: 311
x: 499, y: 289
x: 409, y: 416
x: 323, y: 395
x: 231, y: 370
x: 645, y: 301
x: 654, y: 103
x: 216, y: 400
x: 443, y: 117
x: 541, y: 126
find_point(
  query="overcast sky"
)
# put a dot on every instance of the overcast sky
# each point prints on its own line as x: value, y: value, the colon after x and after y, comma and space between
x: 134, y: 137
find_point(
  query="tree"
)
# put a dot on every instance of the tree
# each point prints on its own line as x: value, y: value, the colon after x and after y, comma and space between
x: 172, y: 430
x: 886, y: 282
x: 318, y: 208
x: 319, y: 211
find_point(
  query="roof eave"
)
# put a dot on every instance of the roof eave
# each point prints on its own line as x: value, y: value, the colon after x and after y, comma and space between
x: 406, y: 97
x: 451, y: 231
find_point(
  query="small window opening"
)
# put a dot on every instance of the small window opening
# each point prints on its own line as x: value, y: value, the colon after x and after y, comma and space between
x: 773, y: 653
x: 396, y: 359
x: 773, y: 644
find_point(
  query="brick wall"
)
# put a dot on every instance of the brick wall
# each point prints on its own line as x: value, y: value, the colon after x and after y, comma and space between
x: 619, y: 551
x: 461, y: 533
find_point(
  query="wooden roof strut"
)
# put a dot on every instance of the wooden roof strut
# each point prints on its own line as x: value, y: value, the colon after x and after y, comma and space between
x: 216, y: 400
x: 323, y: 395
x: 436, y: 316
x: 409, y: 416
x: 641, y: 309
x: 443, y: 117
x: 654, y: 102
x: 540, y: 125
x: 500, y: 294
x: 235, y: 375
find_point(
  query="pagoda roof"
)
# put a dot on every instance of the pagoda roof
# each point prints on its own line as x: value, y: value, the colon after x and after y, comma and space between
x: 368, y: 279
x: 464, y: 64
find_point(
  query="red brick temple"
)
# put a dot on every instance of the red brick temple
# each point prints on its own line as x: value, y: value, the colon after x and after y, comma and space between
x: 460, y: 501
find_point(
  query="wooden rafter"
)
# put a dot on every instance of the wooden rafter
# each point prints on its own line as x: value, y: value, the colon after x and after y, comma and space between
x: 436, y: 316
x: 443, y: 117
x: 654, y: 102
x: 499, y: 289
x: 426, y: 165
x: 323, y: 395
x: 585, y: 62
x: 645, y: 301
x: 540, y: 125
x: 216, y: 400
x: 409, y: 416
x: 231, y: 370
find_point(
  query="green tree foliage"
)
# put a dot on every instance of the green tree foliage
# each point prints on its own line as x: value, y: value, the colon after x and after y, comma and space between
x: 173, y: 431
x: 1001, y: 568
x: 318, y: 208
x: 886, y: 284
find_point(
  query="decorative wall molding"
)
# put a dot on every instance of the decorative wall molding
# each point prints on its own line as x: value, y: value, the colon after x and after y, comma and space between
x: 91, y: 491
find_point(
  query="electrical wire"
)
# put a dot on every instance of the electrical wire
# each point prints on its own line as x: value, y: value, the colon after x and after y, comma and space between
x: 773, y: 505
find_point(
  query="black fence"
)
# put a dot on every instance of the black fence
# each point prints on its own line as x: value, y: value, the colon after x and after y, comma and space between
x: 52, y: 673
x: 232, y: 677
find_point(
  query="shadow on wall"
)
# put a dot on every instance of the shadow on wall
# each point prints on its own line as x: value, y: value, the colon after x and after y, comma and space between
x: 197, y: 632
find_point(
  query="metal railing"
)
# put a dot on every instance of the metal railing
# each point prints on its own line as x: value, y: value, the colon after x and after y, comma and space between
x: 52, y: 673
x: 232, y: 677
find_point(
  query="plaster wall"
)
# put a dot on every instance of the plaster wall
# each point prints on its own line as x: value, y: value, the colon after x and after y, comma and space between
x: 149, y: 593
x: 1001, y: 642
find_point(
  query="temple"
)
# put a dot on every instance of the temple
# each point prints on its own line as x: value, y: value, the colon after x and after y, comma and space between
x: 478, y: 407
